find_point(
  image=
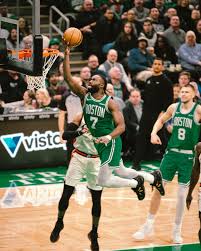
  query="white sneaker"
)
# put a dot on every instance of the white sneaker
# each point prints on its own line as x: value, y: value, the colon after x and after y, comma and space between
x: 145, y: 231
x: 176, y: 235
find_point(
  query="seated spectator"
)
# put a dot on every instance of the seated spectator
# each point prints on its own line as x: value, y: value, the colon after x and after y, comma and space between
x: 174, y: 35
x: 139, y: 58
x: 110, y: 62
x: 125, y: 42
x: 156, y: 20
x: 55, y: 44
x: 110, y: 24
x: 44, y: 100
x: 12, y: 86
x: 11, y: 41
x: 86, y: 22
x: 140, y: 11
x: 184, y: 13
x: 55, y: 88
x: 24, y: 29
x: 117, y: 7
x: 160, y: 5
x: 169, y: 13
x: 4, y: 13
x: 195, y: 16
x: 149, y: 33
x: 85, y: 75
x: 198, y: 32
x: 110, y: 92
x: 93, y: 64
x: 132, y: 116
x: 120, y: 89
x: 130, y: 16
x: 29, y: 102
x: 164, y: 51
x: 189, y: 54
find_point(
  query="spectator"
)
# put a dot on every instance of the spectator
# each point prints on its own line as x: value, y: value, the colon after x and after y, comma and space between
x: 156, y: 20
x: 149, y: 33
x: 130, y: 16
x: 110, y: 92
x: 13, y: 86
x: 4, y: 13
x: 195, y: 16
x: 55, y: 88
x: 44, y: 100
x: 132, y: 116
x: 184, y: 13
x: 164, y: 51
x: 55, y: 44
x: 12, y: 40
x: 110, y: 24
x: 120, y: 89
x: 169, y: 13
x: 139, y: 58
x: 28, y: 103
x: 86, y: 22
x: 110, y: 62
x: 140, y: 11
x: 174, y: 35
x: 189, y: 55
x: 24, y: 29
x: 160, y: 5
x: 198, y: 32
x: 125, y: 42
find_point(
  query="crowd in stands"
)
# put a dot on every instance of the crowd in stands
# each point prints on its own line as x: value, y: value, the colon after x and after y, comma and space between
x: 121, y: 39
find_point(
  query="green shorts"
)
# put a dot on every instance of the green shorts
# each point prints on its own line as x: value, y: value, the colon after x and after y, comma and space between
x: 111, y: 153
x: 173, y: 162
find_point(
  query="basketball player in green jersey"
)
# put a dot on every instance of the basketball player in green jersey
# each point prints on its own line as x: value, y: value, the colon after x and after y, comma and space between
x: 179, y: 155
x: 106, y: 124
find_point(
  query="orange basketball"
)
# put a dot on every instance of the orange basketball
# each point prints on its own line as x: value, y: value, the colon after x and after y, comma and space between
x: 72, y: 37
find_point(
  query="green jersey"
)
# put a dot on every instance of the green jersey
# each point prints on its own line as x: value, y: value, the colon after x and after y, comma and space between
x: 186, y: 130
x: 97, y: 116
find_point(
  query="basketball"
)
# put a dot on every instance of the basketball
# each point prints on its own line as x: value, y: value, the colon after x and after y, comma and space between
x: 72, y: 37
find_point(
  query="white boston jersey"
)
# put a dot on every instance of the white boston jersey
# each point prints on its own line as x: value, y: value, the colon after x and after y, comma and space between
x: 84, y: 143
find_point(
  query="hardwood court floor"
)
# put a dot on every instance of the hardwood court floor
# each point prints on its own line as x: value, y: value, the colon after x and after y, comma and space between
x: 28, y: 228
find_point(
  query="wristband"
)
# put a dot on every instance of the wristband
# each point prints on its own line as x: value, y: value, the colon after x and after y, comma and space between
x: 109, y: 137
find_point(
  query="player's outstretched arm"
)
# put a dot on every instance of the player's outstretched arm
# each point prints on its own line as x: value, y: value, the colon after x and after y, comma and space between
x: 159, y: 124
x: 73, y: 83
x: 194, y: 176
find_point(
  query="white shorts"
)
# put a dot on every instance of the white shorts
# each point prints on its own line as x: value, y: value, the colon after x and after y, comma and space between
x: 81, y: 166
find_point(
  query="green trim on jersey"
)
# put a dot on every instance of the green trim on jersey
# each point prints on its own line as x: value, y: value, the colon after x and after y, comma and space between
x: 186, y: 130
x: 97, y: 116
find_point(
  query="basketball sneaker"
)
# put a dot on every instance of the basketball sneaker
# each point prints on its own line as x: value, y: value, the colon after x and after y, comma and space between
x: 93, y: 237
x: 56, y: 231
x: 145, y: 231
x: 176, y: 235
x: 158, y: 182
x: 139, y: 189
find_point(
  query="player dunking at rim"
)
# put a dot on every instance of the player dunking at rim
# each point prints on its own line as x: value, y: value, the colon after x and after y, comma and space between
x: 105, y: 122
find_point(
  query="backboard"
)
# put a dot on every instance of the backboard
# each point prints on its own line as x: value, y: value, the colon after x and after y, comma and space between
x: 10, y: 59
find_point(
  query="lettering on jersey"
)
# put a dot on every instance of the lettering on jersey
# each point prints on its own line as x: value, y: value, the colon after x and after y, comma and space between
x: 184, y: 122
x: 95, y: 110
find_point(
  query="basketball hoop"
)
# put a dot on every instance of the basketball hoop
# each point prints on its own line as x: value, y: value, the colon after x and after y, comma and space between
x: 49, y: 57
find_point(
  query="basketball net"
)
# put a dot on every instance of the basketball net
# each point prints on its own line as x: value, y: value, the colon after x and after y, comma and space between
x: 38, y: 82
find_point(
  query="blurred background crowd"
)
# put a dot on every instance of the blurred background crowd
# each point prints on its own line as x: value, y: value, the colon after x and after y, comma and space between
x: 122, y: 39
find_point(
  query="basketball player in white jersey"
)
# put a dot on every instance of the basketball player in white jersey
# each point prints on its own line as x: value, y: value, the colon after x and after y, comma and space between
x: 194, y: 180
x: 84, y: 162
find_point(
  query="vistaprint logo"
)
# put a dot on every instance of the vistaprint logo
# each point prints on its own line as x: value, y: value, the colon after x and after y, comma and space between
x: 35, y: 142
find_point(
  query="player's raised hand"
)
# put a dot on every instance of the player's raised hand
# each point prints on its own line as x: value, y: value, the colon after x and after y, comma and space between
x: 155, y: 139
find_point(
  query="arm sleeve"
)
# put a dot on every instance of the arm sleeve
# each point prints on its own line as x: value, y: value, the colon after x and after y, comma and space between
x: 71, y: 132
